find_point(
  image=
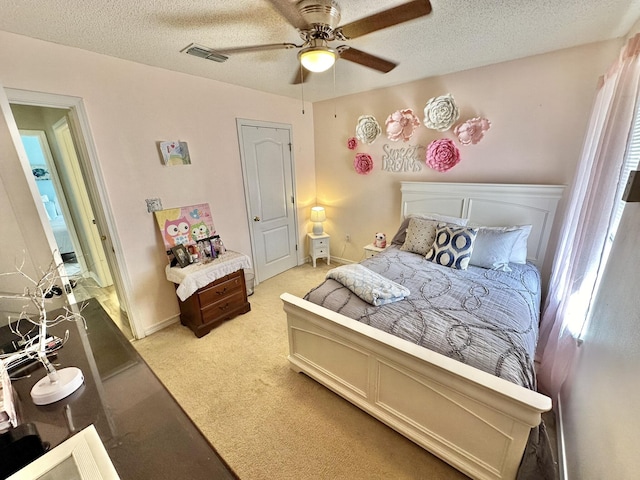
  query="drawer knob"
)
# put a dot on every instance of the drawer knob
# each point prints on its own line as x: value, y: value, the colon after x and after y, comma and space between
x: 222, y: 292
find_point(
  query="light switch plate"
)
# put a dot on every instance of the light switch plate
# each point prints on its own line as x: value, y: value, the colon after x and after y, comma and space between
x: 153, y: 204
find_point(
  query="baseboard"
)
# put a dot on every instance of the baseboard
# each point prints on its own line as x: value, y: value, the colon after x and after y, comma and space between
x: 159, y: 326
x: 562, y: 458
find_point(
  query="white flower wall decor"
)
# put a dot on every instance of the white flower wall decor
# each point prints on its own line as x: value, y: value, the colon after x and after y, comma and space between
x: 441, y: 113
x: 367, y: 129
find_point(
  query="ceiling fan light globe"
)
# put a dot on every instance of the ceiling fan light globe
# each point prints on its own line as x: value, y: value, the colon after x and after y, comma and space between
x: 317, y: 59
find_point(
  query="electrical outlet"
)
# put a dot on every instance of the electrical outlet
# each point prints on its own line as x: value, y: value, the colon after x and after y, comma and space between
x: 347, y: 237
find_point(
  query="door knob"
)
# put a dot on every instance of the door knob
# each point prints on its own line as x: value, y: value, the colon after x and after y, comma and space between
x: 256, y: 219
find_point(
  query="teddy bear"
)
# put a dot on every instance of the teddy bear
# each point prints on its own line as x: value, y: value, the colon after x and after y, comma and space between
x: 380, y: 241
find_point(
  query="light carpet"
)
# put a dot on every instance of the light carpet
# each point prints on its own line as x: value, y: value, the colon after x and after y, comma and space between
x: 267, y: 421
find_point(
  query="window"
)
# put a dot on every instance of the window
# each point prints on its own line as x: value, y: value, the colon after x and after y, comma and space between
x: 631, y: 161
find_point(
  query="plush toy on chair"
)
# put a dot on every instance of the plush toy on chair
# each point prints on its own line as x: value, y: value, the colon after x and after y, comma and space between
x: 380, y: 241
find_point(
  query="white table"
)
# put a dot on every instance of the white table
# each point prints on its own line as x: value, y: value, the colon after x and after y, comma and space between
x: 319, y: 247
x: 371, y: 250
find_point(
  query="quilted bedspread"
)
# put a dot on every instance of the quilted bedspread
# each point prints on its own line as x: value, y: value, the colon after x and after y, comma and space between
x: 485, y: 318
x: 370, y: 286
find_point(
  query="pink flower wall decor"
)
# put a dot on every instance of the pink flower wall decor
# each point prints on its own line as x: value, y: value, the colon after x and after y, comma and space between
x: 363, y: 163
x: 401, y: 125
x: 472, y: 131
x: 352, y: 143
x: 442, y: 155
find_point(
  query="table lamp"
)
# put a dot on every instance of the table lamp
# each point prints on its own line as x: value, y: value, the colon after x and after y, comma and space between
x: 317, y: 217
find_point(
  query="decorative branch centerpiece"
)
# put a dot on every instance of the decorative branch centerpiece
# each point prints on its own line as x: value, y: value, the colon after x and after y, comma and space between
x: 57, y: 384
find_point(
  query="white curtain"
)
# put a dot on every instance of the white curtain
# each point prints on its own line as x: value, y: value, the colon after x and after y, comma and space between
x: 589, y: 210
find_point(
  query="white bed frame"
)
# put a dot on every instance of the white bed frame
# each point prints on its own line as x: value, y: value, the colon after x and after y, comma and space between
x: 475, y: 421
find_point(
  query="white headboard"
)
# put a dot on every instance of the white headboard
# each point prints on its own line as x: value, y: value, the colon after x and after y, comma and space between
x: 491, y: 205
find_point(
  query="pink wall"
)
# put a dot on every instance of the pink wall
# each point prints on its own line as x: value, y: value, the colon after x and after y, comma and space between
x: 538, y: 107
x: 131, y: 107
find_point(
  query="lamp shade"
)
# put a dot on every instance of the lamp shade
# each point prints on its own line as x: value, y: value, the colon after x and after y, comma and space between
x: 318, y: 214
x: 317, y: 217
x: 317, y: 59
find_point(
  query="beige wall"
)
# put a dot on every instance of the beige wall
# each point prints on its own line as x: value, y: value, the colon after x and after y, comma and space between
x: 131, y: 107
x: 538, y: 108
x: 600, y: 400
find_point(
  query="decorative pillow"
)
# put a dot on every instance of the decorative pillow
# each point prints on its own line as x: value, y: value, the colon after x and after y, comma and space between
x: 420, y: 235
x: 493, y: 246
x: 400, y: 236
x: 453, y: 246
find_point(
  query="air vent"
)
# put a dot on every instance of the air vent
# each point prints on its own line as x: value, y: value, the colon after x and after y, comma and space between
x: 204, y: 52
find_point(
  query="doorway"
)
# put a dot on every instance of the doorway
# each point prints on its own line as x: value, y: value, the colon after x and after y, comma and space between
x: 55, y: 156
x: 267, y: 167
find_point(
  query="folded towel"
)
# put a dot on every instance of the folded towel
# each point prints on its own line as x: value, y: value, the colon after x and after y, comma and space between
x: 370, y: 286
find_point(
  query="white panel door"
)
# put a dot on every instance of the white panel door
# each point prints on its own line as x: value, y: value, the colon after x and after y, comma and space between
x: 268, y: 170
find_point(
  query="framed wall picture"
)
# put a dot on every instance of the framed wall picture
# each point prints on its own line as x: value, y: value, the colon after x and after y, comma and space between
x: 185, y: 225
x: 41, y: 172
x: 182, y: 255
x: 175, y: 153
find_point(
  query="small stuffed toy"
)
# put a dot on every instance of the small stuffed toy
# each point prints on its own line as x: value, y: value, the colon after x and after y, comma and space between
x: 380, y: 241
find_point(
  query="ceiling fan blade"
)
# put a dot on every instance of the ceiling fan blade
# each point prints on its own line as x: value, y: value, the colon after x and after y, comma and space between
x: 258, y: 48
x: 291, y: 14
x: 301, y: 76
x: 378, y: 21
x: 358, y: 56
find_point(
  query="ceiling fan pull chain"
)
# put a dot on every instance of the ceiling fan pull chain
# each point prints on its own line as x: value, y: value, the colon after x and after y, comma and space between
x: 335, y: 114
x: 302, y: 87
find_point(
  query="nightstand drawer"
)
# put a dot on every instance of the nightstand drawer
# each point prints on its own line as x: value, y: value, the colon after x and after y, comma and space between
x: 220, y: 290
x: 224, y: 306
x: 320, y: 242
x: 371, y: 250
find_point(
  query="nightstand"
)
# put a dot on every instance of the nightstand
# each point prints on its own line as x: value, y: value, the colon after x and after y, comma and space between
x: 371, y: 250
x: 319, y: 247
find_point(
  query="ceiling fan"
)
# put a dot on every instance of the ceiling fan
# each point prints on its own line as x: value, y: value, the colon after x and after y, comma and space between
x: 317, y: 22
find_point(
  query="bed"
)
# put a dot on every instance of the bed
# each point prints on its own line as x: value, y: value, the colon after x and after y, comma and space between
x: 61, y: 234
x: 481, y: 416
x: 58, y: 225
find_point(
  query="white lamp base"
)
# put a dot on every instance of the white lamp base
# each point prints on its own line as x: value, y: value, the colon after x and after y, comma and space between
x: 45, y: 391
x: 317, y: 228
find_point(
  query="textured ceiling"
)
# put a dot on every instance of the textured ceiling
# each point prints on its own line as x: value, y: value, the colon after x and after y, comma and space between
x: 457, y: 35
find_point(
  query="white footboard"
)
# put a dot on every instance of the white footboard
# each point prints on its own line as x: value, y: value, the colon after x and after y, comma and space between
x: 472, y: 420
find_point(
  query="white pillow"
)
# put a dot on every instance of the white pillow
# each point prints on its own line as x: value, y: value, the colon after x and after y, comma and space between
x: 441, y: 218
x: 52, y: 211
x: 519, y: 252
x: 493, y: 247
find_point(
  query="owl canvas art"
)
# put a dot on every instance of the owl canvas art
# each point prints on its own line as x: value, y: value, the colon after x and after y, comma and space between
x: 185, y: 225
